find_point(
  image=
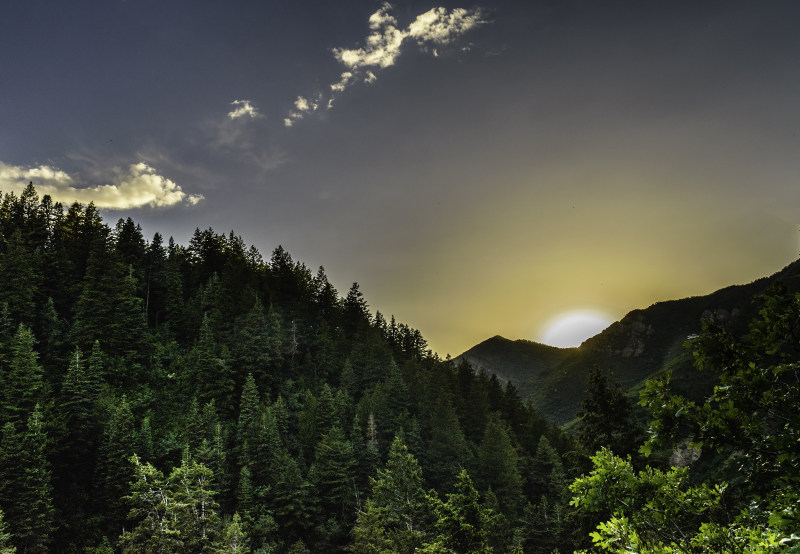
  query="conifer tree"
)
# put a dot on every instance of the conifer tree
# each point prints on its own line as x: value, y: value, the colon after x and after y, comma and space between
x: 6, y: 546
x: 498, y: 467
x: 116, y: 450
x: 462, y: 522
x: 212, y: 373
x: 400, y: 501
x: 25, y: 484
x: 447, y: 450
x: 249, y: 427
x: 235, y: 539
x: 21, y: 278
x: 23, y: 386
x: 152, y: 511
x: 290, y: 499
x: 196, y: 505
x: 253, y: 352
x: 332, y: 475
x: 606, y: 417
x: 34, y: 530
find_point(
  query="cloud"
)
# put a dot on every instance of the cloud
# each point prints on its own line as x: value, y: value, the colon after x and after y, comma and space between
x: 382, y: 47
x: 137, y: 186
x: 243, y: 109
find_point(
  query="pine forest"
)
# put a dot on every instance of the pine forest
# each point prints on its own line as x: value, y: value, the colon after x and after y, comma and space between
x: 159, y: 397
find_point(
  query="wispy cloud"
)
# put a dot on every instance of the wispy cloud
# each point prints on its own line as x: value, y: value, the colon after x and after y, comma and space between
x: 243, y: 108
x: 137, y: 186
x: 383, y: 45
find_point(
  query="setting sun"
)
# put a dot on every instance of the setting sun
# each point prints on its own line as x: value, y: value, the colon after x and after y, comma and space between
x: 571, y: 328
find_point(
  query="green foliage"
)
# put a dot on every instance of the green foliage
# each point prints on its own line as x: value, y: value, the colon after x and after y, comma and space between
x: 748, y: 501
x: 5, y: 537
x: 498, y: 465
x: 397, y: 517
x: 196, y: 343
x: 462, y: 522
x: 606, y: 418
x: 23, y: 387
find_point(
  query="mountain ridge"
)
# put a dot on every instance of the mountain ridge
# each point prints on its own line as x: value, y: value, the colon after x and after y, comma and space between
x: 645, y: 342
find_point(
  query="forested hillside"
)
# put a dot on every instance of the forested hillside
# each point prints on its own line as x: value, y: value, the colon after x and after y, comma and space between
x: 166, y: 398
x: 169, y: 398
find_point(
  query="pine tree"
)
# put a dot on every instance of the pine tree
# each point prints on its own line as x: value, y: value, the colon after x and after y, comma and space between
x: 447, y: 450
x: 290, y: 499
x: 248, y: 432
x: 23, y: 387
x: 21, y: 277
x: 212, y: 374
x: 25, y: 484
x: 332, y: 475
x: 235, y: 539
x: 5, y: 537
x: 253, y: 349
x: 34, y: 531
x: 462, y: 522
x: 196, y: 506
x: 369, y: 532
x: 77, y: 447
x: 606, y: 417
x: 116, y: 450
x: 152, y: 511
x: 398, y: 495
x: 498, y: 467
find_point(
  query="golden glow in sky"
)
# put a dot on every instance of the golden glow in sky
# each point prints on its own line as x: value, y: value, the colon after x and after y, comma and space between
x: 571, y: 328
x: 478, y: 168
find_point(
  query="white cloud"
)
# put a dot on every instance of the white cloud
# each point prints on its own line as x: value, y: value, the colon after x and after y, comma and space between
x: 137, y: 186
x: 345, y: 79
x: 383, y: 45
x: 243, y: 108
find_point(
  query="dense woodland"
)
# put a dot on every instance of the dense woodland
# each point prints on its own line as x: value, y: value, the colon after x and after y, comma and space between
x: 156, y: 397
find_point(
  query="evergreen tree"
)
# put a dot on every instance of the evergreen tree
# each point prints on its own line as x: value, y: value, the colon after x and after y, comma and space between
x: 447, y: 450
x: 398, y: 502
x: 462, y: 522
x: 212, y: 374
x: 332, y: 475
x: 24, y: 386
x: 369, y: 531
x: 25, y: 484
x: 498, y: 467
x: 254, y: 353
x: 290, y: 499
x: 21, y: 276
x: 6, y: 546
x: 606, y: 417
x: 235, y: 540
x: 34, y: 533
x: 248, y: 433
x: 116, y: 450
x: 152, y: 511
x: 197, y: 509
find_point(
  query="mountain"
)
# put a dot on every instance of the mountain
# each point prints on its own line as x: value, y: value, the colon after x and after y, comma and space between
x: 642, y: 344
x: 515, y: 361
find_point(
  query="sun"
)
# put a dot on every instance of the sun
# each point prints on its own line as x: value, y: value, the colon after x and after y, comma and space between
x: 571, y: 328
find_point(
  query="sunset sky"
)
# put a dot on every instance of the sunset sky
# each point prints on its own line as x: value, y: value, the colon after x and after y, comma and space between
x: 478, y: 169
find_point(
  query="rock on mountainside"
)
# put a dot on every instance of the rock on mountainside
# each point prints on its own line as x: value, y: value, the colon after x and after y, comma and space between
x: 640, y: 345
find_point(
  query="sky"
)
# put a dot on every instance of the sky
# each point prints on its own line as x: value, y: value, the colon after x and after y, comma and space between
x: 478, y: 168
